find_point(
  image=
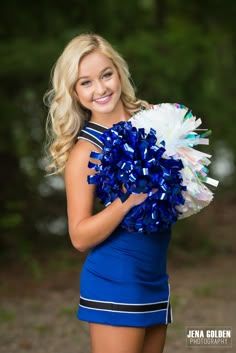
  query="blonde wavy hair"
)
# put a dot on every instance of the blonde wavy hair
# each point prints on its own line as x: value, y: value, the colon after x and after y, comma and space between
x: 66, y: 116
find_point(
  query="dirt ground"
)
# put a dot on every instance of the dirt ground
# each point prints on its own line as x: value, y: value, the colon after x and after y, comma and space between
x: 38, y: 313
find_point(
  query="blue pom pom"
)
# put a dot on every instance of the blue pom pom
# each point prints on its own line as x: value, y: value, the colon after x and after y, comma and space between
x: 130, y: 157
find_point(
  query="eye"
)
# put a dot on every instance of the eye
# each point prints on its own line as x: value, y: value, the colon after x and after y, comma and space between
x: 85, y: 83
x: 108, y: 74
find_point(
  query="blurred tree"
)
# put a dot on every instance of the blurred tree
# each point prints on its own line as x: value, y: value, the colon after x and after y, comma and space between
x: 177, y: 51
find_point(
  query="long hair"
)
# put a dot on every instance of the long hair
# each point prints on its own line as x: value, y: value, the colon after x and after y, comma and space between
x: 66, y: 116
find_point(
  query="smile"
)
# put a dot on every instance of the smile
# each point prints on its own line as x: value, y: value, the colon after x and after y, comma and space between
x: 103, y: 100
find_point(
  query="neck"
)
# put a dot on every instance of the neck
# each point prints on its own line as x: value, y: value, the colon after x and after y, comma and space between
x: 108, y: 119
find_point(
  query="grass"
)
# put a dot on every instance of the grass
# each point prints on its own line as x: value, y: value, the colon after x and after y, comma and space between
x: 176, y: 301
x: 42, y: 328
x: 206, y: 290
x: 67, y: 311
x: 6, y: 315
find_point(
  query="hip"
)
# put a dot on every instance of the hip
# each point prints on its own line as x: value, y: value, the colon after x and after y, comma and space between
x: 128, y: 255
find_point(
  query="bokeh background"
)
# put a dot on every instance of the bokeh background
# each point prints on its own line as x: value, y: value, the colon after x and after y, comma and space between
x: 177, y: 51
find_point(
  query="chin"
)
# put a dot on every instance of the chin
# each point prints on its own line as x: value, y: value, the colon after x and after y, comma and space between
x: 107, y: 109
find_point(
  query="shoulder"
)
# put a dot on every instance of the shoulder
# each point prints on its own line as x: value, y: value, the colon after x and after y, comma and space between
x: 80, y: 155
x: 149, y: 106
x: 155, y: 105
x: 81, y: 147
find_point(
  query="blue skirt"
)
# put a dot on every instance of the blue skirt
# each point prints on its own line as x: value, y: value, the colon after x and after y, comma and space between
x: 123, y: 281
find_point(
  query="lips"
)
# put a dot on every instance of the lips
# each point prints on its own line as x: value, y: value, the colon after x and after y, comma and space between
x: 103, y: 100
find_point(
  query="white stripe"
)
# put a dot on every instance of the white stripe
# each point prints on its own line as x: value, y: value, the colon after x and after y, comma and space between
x: 168, y: 303
x: 103, y: 301
x: 171, y: 315
x: 84, y: 138
x: 124, y: 312
x: 93, y: 136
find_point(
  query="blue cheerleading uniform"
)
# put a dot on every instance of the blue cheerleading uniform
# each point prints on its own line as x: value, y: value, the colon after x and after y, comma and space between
x: 124, y: 280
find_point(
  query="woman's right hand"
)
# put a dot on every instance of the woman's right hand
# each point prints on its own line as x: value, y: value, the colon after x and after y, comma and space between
x: 136, y: 199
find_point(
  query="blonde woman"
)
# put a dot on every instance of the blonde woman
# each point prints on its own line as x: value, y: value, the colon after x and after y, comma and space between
x: 124, y: 287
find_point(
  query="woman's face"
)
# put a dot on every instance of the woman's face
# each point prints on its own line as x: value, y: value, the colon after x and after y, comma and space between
x: 98, y: 87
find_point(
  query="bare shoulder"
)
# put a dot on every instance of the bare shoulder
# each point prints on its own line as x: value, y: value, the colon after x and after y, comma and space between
x: 82, y: 150
x: 150, y: 105
x: 80, y: 155
x: 154, y: 105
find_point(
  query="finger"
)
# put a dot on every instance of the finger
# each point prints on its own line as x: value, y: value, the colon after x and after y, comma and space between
x: 123, y: 188
x: 153, y: 191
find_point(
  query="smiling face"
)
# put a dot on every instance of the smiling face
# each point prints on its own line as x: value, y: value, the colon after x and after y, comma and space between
x: 98, y: 87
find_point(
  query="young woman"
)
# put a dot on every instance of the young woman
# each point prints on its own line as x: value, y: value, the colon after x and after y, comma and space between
x: 124, y: 287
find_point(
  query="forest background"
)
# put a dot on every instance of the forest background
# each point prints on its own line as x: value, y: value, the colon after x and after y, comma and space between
x: 177, y: 51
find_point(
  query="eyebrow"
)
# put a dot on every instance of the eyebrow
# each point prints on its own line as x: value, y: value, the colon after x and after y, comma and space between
x: 108, y: 67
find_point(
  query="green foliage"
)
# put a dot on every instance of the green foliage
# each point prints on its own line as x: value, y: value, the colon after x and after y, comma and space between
x: 6, y: 316
x: 177, y: 51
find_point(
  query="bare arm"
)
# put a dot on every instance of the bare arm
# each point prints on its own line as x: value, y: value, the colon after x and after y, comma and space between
x: 87, y: 230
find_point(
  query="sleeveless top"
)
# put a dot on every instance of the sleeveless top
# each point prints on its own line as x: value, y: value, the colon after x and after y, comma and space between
x: 92, y: 132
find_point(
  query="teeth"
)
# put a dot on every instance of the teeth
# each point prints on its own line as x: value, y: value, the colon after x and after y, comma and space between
x: 102, y: 99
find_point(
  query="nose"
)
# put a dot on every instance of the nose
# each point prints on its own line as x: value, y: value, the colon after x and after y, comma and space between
x: 100, y: 89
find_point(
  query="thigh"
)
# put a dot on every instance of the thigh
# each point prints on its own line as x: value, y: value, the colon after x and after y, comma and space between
x: 154, y: 339
x: 116, y: 339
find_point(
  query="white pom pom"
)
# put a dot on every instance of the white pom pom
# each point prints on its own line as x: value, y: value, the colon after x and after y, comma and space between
x: 177, y: 126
